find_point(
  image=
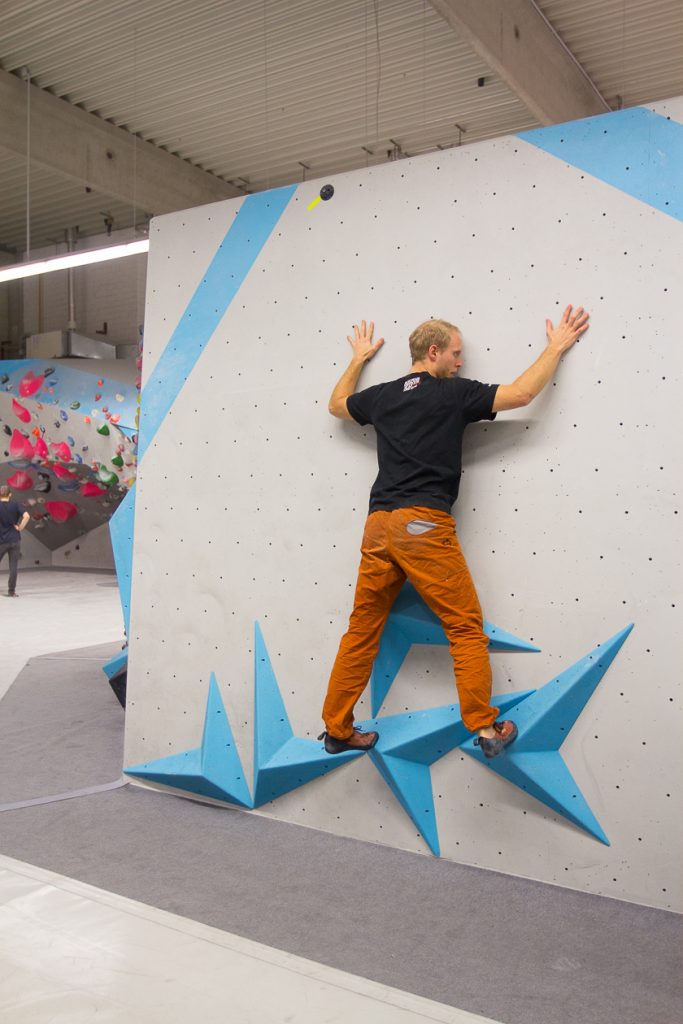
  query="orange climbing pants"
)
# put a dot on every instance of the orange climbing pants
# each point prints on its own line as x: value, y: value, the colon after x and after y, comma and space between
x: 418, y: 544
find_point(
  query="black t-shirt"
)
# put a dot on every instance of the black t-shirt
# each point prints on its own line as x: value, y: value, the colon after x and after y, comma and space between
x: 11, y: 514
x: 420, y: 421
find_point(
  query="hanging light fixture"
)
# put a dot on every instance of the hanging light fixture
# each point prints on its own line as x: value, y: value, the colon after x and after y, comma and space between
x: 73, y: 259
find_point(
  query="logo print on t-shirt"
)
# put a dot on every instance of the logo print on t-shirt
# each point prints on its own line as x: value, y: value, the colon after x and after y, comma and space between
x: 412, y: 383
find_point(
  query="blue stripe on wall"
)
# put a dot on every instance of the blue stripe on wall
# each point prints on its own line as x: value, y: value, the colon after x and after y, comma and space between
x: 636, y: 151
x: 235, y: 257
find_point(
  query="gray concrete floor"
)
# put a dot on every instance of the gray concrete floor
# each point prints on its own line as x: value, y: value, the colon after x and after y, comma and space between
x: 55, y: 611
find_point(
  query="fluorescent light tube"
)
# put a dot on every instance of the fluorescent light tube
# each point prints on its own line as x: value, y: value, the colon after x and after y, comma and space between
x: 73, y: 259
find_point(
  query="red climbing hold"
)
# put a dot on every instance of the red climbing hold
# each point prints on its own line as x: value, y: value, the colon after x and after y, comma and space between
x: 29, y: 384
x: 41, y: 449
x: 63, y: 450
x: 20, y: 447
x: 91, y: 490
x: 20, y: 481
x: 18, y: 410
x: 63, y: 473
x: 61, y: 511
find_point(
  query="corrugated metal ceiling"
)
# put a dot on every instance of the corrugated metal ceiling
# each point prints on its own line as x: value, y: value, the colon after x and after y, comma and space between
x: 254, y: 89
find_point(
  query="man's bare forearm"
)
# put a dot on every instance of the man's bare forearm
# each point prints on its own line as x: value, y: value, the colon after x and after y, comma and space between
x: 530, y: 383
x: 345, y: 386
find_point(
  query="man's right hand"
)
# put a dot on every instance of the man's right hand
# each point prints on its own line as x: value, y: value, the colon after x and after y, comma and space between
x: 361, y: 343
x: 568, y: 331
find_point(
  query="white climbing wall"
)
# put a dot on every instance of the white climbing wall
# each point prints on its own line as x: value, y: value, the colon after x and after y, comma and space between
x: 251, y: 498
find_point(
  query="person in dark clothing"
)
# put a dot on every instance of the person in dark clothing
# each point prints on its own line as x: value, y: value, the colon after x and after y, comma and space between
x: 419, y: 421
x: 13, y: 520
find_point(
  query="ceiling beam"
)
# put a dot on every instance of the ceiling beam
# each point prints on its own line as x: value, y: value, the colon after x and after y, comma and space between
x: 517, y: 42
x: 110, y: 160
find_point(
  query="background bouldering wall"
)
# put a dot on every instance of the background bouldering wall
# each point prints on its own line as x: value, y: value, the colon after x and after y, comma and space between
x: 250, y: 502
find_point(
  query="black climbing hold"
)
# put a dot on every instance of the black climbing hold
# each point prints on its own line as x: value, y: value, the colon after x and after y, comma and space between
x: 326, y: 192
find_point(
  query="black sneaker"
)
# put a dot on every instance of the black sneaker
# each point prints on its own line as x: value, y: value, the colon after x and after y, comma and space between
x: 506, y: 733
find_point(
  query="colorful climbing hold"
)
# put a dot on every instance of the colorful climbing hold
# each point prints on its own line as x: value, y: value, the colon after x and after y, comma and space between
x: 75, y: 405
x: 104, y: 430
x: 30, y: 384
x: 117, y: 460
x: 63, y: 451
x: 20, y: 446
x: 63, y: 415
x: 61, y: 511
x: 92, y: 490
x: 62, y: 472
x: 19, y: 410
x: 41, y: 449
x: 20, y: 481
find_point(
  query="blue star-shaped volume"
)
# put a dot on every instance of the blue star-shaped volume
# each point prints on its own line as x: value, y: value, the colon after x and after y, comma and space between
x: 214, y: 769
x: 409, y: 743
x: 534, y: 762
x: 282, y: 761
x: 411, y: 622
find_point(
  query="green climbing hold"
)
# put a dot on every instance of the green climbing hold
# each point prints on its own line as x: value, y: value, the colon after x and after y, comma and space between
x: 104, y: 429
x: 75, y: 405
x: 105, y: 477
x: 117, y: 460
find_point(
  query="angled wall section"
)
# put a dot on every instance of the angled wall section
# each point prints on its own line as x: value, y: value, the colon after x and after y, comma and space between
x: 251, y: 499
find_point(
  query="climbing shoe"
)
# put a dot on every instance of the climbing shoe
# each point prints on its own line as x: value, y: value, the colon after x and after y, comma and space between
x: 506, y: 732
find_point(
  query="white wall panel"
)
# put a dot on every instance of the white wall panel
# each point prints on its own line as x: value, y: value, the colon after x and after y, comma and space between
x: 251, y: 498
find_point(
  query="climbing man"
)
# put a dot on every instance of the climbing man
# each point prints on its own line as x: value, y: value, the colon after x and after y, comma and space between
x: 419, y: 421
x: 13, y: 520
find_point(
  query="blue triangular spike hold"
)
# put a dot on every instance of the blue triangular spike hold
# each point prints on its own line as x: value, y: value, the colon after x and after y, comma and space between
x: 548, y: 717
x: 214, y: 769
x: 282, y: 761
x: 411, y: 784
x: 409, y: 743
x: 412, y: 622
x: 544, y: 720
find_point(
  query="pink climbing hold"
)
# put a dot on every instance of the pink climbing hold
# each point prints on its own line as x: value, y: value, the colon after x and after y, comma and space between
x: 29, y: 384
x: 18, y: 410
x: 63, y: 450
x: 63, y: 473
x: 61, y: 511
x: 114, y: 417
x: 20, y: 481
x: 91, y: 490
x: 20, y: 447
x: 41, y: 449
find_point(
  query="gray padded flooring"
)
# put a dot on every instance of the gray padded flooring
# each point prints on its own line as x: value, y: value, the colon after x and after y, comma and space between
x: 517, y: 951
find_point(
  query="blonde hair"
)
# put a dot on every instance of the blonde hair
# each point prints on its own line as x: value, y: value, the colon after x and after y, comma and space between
x: 431, y: 332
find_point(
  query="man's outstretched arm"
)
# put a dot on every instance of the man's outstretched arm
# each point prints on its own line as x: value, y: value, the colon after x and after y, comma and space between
x: 363, y: 350
x: 530, y: 383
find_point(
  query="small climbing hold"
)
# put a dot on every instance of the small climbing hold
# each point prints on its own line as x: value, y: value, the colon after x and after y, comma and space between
x: 20, y: 447
x: 42, y: 449
x: 62, y: 472
x: 92, y: 490
x: 29, y: 384
x: 104, y: 430
x: 61, y: 511
x: 23, y: 414
x: 20, y: 481
x: 62, y: 449
x: 117, y: 460
x: 75, y: 405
